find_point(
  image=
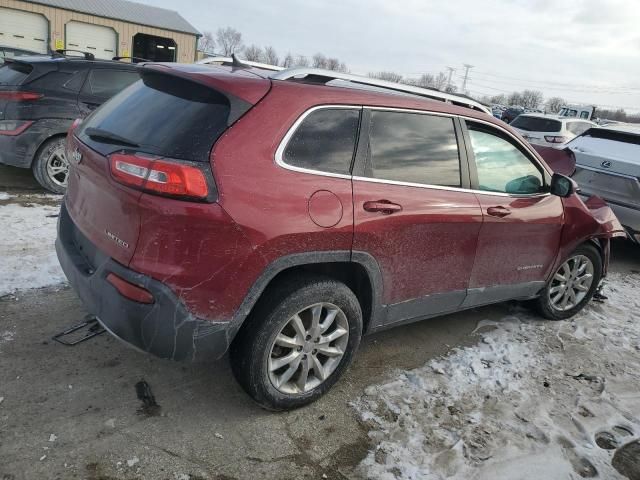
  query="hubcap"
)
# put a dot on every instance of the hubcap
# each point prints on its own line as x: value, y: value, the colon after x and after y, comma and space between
x: 58, y: 166
x: 571, y: 283
x: 308, y: 348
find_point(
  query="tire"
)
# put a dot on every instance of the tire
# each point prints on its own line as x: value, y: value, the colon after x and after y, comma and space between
x: 553, y: 310
x: 254, y: 350
x: 50, y: 166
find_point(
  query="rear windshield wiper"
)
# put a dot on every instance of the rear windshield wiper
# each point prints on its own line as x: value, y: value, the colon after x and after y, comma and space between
x: 108, y: 137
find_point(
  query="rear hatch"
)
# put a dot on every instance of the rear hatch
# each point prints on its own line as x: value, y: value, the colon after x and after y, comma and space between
x: 12, y: 75
x: 534, y: 129
x: 608, y: 165
x: 171, y: 114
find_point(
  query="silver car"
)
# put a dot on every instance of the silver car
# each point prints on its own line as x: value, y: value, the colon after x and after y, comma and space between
x: 608, y: 165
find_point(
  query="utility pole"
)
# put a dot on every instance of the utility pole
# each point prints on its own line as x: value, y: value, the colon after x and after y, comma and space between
x: 466, y: 75
x: 451, y: 70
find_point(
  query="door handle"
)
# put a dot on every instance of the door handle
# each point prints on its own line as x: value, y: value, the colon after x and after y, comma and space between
x: 383, y: 206
x: 498, y: 211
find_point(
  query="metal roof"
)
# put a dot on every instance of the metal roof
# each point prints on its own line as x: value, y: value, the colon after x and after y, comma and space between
x: 126, y: 11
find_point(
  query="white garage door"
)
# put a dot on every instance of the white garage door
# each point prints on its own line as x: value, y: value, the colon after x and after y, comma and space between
x: 96, y: 39
x: 23, y: 30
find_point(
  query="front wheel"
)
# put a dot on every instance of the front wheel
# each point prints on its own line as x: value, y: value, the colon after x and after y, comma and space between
x: 297, y: 343
x: 572, y: 285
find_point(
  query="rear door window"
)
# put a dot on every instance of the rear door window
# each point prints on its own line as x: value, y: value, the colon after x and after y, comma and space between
x: 105, y: 83
x: 414, y: 148
x: 162, y: 115
x: 325, y: 141
x: 501, y: 165
x: 536, y: 124
x: 14, y: 73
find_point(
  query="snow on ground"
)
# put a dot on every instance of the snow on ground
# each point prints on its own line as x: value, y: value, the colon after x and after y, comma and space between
x: 26, y: 249
x: 527, y: 402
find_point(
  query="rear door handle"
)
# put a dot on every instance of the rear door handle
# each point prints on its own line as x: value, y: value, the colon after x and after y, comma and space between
x: 382, y: 206
x: 498, y: 211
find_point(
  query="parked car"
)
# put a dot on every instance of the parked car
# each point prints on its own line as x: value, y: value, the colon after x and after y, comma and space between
x: 510, y: 113
x: 39, y: 99
x: 11, y: 52
x: 496, y: 110
x: 550, y: 130
x: 585, y: 112
x: 282, y: 215
x: 606, y: 162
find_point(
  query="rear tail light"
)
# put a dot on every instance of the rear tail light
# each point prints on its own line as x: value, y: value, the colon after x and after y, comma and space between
x: 14, y: 127
x: 555, y: 139
x: 160, y: 176
x: 129, y: 290
x: 20, y: 96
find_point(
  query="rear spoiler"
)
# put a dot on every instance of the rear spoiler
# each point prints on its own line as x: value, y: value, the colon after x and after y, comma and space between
x: 38, y: 69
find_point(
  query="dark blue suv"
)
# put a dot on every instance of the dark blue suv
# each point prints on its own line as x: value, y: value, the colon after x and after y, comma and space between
x: 41, y: 96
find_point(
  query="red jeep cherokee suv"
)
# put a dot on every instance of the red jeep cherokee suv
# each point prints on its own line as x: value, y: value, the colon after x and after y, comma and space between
x: 281, y: 216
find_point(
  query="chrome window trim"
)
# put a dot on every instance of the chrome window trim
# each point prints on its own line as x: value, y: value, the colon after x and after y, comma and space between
x: 279, y: 155
x: 452, y: 189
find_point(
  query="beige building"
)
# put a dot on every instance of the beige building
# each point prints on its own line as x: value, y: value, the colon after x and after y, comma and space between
x: 106, y: 28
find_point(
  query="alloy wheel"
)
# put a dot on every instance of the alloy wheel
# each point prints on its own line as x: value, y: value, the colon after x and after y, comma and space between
x: 571, y: 283
x: 58, y: 166
x: 308, y: 348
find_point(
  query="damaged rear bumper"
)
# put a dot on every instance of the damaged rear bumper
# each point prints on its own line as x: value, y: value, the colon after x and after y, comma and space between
x: 164, y: 328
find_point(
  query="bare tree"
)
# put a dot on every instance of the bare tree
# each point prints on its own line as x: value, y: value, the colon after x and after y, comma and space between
x: 271, y: 56
x: 333, y: 64
x: 498, y: 99
x: 229, y: 40
x: 440, y: 81
x: 253, y: 53
x: 343, y: 67
x: 554, y: 104
x: 531, y: 98
x: 319, y: 61
x: 451, y: 88
x: 388, y: 76
x: 288, y: 61
x: 515, y: 99
x: 301, y: 61
x: 206, y: 43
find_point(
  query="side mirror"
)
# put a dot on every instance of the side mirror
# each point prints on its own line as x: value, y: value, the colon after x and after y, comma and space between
x: 563, y: 186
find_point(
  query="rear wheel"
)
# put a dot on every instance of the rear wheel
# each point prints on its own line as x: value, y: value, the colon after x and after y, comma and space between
x: 50, y: 166
x: 572, y: 285
x: 297, y: 342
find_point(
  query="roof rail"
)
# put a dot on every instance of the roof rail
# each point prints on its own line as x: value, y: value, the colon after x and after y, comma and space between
x: 317, y: 75
x: 137, y: 59
x: 229, y: 62
x: 63, y: 53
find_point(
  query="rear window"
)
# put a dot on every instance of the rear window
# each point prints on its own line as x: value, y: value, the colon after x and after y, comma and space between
x: 163, y: 115
x: 14, y: 73
x: 536, y: 124
x: 616, y: 136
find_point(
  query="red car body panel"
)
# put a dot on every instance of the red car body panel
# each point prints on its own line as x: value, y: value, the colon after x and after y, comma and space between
x: 507, y: 253
x: 97, y: 204
x: 560, y: 160
x: 217, y: 258
x: 427, y: 248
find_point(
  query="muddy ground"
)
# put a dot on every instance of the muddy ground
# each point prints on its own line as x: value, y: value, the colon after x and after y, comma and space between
x: 73, y: 412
